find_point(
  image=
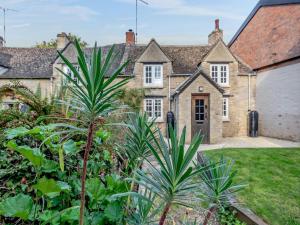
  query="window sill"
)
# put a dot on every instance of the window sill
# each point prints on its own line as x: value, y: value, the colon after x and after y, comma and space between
x: 224, y: 85
x: 226, y: 120
x: 154, y: 86
x: 158, y: 120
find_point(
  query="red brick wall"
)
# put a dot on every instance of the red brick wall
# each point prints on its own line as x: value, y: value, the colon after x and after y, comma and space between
x: 273, y: 35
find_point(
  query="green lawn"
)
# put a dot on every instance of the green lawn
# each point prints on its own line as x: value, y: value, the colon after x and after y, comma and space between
x: 273, y: 178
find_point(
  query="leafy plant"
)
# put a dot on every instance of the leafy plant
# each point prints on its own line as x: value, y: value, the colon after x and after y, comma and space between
x: 20, y: 206
x: 37, y: 103
x: 228, y: 217
x: 173, y: 181
x: 94, y: 95
x: 218, y: 183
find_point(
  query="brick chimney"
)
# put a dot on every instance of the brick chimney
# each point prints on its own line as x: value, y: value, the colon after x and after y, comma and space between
x: 130, y: 37
x: 1, y: 42
x: 62, y: 40
x: 216, y: 35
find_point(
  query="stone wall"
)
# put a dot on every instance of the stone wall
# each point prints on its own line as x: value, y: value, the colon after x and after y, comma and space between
x: 215, y: 102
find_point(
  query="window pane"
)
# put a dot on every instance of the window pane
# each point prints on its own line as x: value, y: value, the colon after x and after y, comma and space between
x: 157, y: 108
x: 225, y: 107
x: 223, y: 74
x: 157, y: 72
x: 148, y: 74
x: 199, y: 110
x: 148, y: 107
x: 214, y: 73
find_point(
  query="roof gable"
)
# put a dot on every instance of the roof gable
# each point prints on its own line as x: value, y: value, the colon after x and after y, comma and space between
x: 219, y: 53
x: 153, y: 53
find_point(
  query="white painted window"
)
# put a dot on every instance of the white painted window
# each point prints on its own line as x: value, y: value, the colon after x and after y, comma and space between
x: 153, y: 75
x: 154, y: 108
x: 67, y: 70
x: 225, y: 109
x: 220, y: 73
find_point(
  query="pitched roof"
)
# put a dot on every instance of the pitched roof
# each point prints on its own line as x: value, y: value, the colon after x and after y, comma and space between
x: 27, y: 62
x: 188, y: 81
x: 261, y: 3
x: 185, y: 59
x: 37, y: 62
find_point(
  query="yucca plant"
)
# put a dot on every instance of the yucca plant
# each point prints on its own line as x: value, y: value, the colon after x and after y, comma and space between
x: 218, y: 183
x: 172, y: 178
x: 94, y: 95
x: 139, y: 130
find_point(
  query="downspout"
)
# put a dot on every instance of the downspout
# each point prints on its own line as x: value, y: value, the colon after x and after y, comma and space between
x: 169, y: 93
x: 249, y: 91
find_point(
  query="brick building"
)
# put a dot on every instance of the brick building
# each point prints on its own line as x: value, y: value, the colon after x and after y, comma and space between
x: 269, y: 41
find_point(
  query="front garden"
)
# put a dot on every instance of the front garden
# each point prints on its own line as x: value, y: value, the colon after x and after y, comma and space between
x: 86, y: 155
x: 273, y: 178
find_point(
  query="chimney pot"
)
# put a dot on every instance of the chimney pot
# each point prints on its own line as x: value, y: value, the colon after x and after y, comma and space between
x: 216, y: 35
x: 62, y: 40
x: 130, y: 37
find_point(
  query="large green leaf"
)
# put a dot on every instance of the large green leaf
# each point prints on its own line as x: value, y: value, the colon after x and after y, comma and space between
x: 114, y: 211
x: 15, y: 132
x: 71, y: 147
x: 94, y: 190
x: 50, y: 187
x: 19, y: 206
x: 34, y: 155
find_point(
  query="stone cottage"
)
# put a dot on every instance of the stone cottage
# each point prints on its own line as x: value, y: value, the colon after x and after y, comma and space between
x: 208, y: 88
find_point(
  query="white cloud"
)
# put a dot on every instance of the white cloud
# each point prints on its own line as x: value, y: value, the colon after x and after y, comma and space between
x: 182, y: 8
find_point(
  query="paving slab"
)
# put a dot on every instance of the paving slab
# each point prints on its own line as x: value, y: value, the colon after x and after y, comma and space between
x: 249, y: 142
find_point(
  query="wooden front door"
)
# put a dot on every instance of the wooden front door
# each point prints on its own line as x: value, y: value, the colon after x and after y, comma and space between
x: 200, y: 116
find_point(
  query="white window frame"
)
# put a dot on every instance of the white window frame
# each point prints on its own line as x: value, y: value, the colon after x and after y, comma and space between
x: 217, y: 73
x: 225, y: 109
x: 153, y: 75
x: 68, y: 71
x: 151, y: 102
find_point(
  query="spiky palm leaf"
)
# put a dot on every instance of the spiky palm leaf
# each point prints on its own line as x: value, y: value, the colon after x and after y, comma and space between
x: 172, y: 181
x: 94, y: 95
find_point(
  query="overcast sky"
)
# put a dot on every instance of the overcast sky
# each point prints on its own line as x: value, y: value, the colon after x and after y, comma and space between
x: 106, y: 21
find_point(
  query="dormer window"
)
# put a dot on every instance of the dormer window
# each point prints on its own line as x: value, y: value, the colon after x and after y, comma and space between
x: 220, y: 74
x: 153, y: 75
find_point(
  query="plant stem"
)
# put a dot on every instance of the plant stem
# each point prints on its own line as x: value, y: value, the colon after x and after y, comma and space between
x: 210, y: 212
x: 83, y: 176
x: 164, y: 215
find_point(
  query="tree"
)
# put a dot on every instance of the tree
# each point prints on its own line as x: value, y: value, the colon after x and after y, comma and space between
x: 53, y: 42
x: 95, y: 96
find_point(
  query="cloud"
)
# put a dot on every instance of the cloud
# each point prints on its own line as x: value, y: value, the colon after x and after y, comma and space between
x: 82, y: 12
x: 183, y: 8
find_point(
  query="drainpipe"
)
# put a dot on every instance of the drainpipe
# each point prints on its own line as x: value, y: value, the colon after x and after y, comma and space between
x: 249, y: 91
x: 169, y: 93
